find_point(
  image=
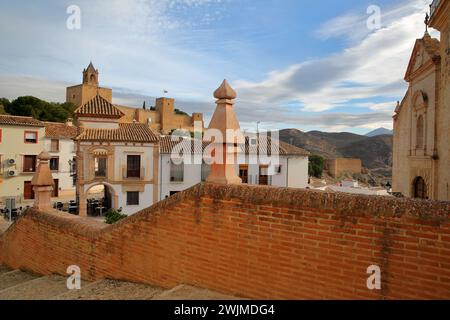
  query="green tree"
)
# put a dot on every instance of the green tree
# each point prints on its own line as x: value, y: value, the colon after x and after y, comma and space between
x: 4, y: 103
x: 316, y: 165
x: 39, y: 109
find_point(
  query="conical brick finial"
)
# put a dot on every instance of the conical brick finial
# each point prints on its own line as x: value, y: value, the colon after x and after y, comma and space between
x: 225, y: 148
x: 225, y: 91
x: 43, y: 183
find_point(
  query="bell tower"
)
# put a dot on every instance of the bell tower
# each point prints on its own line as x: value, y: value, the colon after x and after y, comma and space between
x: 90, y: 75
x: 89, y: 89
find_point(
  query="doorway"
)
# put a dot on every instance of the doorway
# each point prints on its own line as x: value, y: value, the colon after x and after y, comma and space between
x: 420, y: 188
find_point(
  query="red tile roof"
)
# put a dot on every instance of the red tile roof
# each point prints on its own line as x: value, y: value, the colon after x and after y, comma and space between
x: 126, y: 132
x: 168, y: 143
x: 60, y: 130
x: 99, y: 107
x: 20, y: 121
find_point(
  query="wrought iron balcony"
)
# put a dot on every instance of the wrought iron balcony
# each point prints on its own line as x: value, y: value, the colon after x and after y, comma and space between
x: 138, y: 174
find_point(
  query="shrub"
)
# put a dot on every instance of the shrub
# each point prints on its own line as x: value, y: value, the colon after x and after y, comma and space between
x: 113, y: 216
x: 316, y: 165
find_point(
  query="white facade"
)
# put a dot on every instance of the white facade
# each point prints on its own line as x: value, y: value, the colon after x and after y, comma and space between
x: 292, y: 173
x: 63, y: 155
x: 115, y: 178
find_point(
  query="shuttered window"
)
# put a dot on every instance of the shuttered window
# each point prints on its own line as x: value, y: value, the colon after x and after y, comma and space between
x: 133, y: 166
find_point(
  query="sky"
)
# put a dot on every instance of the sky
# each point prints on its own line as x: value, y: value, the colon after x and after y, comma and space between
x: 311, y: 65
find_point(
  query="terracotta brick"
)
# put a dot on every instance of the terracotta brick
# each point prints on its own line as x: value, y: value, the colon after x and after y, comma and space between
x: 250, y: 241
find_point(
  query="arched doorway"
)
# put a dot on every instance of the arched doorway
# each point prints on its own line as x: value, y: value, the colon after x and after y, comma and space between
x: 99, y: 199
x: 420, y: 188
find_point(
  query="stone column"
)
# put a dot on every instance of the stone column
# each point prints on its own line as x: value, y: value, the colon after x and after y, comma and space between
x: 225, y: 122
x: 43, y: 183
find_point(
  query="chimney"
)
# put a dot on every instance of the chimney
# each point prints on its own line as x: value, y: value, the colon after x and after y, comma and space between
x: 43, y: 183
x: 225, y: 122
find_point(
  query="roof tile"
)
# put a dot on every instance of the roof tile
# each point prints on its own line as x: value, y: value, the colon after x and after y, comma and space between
x: 60, y: 130
x: 126, y: 132
x: 20, y: 121
x: 99, y: 106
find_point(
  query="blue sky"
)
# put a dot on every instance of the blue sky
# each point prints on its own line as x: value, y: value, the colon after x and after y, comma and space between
x: 311, y: 65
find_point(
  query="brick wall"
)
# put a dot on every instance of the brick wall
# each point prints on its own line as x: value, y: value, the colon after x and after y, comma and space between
x: 256, y: 242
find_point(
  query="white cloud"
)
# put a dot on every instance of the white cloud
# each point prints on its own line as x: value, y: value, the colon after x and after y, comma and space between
x: 373, y: 68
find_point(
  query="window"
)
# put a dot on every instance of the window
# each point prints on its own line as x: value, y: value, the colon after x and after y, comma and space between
x: 132, y: 198
x: 264, y: 175
x: 0, y: 135
x: 54, y: 145
x: 278, y: 169
x: 133, y: 166
x: 243, y: 173
x: 29, y: 163
x: 176, y: 172
x: 54, y: 164
x: 420, y: 132
x: 28, y: 192
x: 31, y: 137
x: 100, y: 167
x: 206, y: 170
x: 172, y: 193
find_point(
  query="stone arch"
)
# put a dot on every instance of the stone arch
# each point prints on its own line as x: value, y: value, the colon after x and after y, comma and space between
x: 420, y: 100
x: 111, y: 199
x: 419, y: 123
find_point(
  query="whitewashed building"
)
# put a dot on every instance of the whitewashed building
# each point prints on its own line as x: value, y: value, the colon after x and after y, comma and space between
x: 121, y: 157
x: 290, y: 169
x: 58, y: 141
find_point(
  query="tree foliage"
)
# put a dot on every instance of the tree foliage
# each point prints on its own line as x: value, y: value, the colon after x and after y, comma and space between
x: 4, y: 103
x: 30, y: 106
x: 316, y: 165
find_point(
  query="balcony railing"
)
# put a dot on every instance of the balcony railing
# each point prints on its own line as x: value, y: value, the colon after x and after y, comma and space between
x: 434, y: 6
x: 133, y: 174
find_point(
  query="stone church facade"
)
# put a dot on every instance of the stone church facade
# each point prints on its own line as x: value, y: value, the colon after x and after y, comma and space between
x: 421, y: 160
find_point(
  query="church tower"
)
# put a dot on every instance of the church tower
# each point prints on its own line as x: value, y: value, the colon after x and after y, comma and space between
x: 82, y: 93
x: 90, y: 75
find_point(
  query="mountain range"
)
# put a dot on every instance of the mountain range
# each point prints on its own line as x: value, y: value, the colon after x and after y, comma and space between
x: 379, y: 132
x: 374, y: 151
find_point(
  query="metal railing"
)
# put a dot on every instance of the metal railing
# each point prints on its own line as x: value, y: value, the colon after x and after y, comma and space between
x: 131, y: 174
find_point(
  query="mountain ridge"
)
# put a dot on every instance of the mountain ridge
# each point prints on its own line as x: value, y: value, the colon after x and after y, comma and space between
x: 379, y: 132
x: 375, y: 152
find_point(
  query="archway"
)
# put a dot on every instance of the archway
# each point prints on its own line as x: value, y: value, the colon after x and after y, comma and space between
x: 420, y: 188
x: 99, y: 199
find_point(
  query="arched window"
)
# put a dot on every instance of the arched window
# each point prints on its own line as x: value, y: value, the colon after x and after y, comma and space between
x: 92, y: 77
x: 420, y: 188
x: 420, y: 132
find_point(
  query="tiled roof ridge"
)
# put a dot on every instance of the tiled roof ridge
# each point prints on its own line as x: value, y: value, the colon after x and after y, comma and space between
x: 126, y: 132
x: 99, y: 106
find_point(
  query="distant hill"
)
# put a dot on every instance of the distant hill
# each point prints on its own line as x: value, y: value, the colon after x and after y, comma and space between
x: 375, y: 152
x: 379, y: 132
